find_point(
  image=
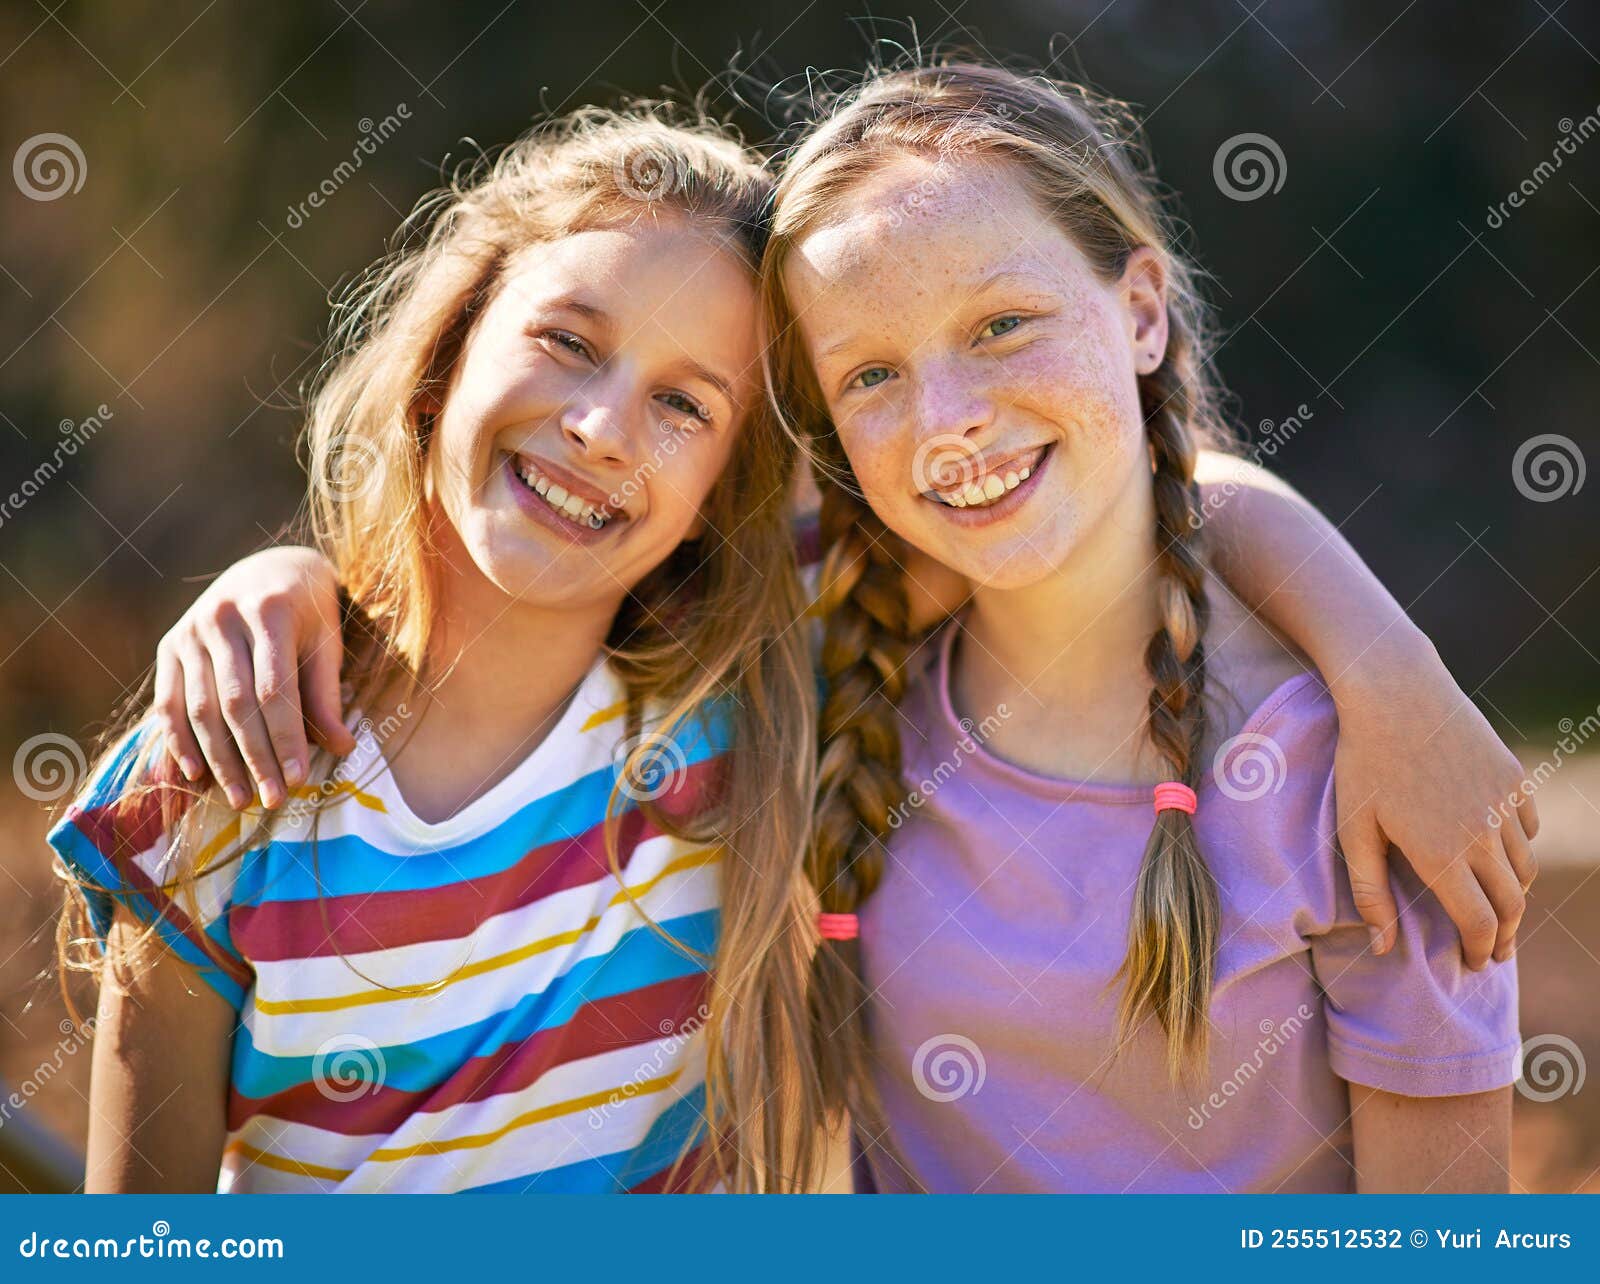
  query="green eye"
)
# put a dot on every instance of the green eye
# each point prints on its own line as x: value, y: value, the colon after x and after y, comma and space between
x: 873, y: 377
x: 687, y: 407
x: 1002, y: 325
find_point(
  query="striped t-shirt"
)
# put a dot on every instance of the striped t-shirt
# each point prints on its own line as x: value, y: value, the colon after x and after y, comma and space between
x: 472, y: 1005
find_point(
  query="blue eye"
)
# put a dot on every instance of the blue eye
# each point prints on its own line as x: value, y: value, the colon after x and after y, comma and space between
x: 1002, y: 325
x: 873, y: 377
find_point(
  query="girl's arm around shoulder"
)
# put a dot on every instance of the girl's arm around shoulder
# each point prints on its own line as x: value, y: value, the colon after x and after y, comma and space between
x: 159, y: 1085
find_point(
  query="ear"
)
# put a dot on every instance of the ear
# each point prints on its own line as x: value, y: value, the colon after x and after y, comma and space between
x: 1144, y: 296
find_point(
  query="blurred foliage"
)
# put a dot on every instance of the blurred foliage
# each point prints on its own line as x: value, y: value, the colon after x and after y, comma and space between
x: 176, y: 289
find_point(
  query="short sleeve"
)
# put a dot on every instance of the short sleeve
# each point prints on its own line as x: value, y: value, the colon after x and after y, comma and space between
x: 116, y: 840
x: 1416, y: 1021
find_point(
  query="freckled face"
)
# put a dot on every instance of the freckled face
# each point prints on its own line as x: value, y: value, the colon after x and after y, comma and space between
x: 981, y: 375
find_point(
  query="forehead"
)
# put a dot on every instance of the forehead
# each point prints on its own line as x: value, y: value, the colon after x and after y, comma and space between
x: 658, y: 280
x: 923, y: 224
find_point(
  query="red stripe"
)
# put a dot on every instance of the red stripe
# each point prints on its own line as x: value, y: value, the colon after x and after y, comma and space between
x: 640, y: 1017
x: 329, y: 925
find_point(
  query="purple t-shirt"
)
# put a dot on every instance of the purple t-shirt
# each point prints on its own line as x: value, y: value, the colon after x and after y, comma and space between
x: 991, y: 945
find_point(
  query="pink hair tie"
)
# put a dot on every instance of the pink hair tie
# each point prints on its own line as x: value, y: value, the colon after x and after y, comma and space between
x: 838, y: 927
x: 1173, y: 796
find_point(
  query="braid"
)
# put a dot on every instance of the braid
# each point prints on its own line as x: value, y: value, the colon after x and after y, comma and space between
x: 1171, y: 961
x: 866, y: 644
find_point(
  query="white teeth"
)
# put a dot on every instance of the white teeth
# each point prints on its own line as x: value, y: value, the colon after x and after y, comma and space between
x: 1012, y: 481
x: 980, y: 494
x: 993, y: 487
x: 1022, y: 475
x: 563, y: 501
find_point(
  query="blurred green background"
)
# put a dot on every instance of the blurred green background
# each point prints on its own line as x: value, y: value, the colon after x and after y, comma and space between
x: 168, y: 271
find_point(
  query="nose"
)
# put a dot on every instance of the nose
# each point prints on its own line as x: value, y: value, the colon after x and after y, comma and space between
x: 597, y: 427
x: 953, y: 402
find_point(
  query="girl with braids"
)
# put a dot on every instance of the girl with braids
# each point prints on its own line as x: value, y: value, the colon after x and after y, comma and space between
x: 983, y: 324
x: 496, y: 940
x: 1014, y: 400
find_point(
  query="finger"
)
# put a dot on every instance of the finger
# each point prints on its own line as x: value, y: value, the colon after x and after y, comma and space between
x: 319, y: 689
x: 277, y: 688
x: 234, y: 674
x: 1519, y: 851
x: 1366, y: 858
x: 1462, y: 896
x: 205, y: 718
x: 171, y: 716
x: 1500, y: 884
x: 1529, y: 815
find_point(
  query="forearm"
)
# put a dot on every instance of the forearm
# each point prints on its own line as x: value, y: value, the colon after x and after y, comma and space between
x: 1284, y: 560
x: 1431, y: 1145
x: 158, y: 1089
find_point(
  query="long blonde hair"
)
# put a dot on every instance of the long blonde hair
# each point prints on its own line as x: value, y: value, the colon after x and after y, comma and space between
x: 1083, y: 159
x: 707, y: 635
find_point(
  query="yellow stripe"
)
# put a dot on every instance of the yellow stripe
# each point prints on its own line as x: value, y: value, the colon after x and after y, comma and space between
x: 332, y: 788
x: 286, y: 1165
x: 361, y: 998
x: 228, y: 834
x: 474, y: 1141
x: 477, y: 1140
x: 602, y: 716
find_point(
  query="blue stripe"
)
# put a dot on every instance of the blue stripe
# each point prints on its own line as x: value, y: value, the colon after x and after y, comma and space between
x: 91, y: 863
x: 295, y: 870
x: 676, y: 1130
x: 639, y: 959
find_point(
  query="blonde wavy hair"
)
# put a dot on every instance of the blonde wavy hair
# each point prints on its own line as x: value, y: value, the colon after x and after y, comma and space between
x: 707, y: 635
x: 1083, y: 158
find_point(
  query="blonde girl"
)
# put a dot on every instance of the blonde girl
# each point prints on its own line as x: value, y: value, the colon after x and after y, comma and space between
x: 985, y: 329
x: 499, y: 940
x: 261, y: 631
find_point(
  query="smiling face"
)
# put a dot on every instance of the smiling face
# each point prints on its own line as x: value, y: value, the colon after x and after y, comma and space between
x: 596, y: 403
x: 982, y: 376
